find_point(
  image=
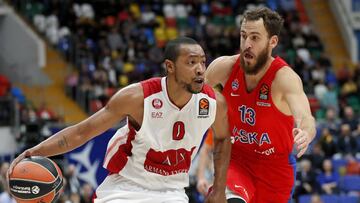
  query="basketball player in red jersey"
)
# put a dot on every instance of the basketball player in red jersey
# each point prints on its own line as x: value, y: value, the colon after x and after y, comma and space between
x: 149, y: 158
x: 268, y: 113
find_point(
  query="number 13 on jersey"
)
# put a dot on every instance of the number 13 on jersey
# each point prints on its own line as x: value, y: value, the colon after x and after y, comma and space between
x: 247, y: 115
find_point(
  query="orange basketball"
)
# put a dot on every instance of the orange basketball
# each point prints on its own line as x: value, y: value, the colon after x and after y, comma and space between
x: 36, y: 180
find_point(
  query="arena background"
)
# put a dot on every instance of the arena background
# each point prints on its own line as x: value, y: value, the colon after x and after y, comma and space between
x: 61, y: 60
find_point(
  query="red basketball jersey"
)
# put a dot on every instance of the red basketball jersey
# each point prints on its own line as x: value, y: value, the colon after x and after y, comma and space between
x: 261, y: 135
x: 257, y: 127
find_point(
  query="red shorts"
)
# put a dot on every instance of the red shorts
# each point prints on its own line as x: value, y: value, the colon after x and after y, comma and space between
x: 268, y: 182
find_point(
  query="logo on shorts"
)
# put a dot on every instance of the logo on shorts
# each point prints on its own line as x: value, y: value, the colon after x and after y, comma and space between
x: 264, y: 92
x: 235, y: 85
x: 203, y: 107
x: 35, y: 189
x: 157, y: 103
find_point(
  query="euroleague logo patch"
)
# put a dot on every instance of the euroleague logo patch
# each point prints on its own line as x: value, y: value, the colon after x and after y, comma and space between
x: 264, y: 92
x: 203, y: 108
x: 157, y: 103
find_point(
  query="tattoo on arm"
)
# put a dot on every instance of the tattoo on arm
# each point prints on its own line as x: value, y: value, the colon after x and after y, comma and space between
x: 63, y: 143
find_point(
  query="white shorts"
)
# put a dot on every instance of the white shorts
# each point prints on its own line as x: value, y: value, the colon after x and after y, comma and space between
x: 117, y: 189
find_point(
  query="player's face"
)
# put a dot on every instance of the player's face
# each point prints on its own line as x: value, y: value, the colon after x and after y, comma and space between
x: 254, y: 46
x: 190, y: 68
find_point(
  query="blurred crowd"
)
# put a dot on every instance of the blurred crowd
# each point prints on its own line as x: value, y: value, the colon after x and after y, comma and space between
x: 115, y: 43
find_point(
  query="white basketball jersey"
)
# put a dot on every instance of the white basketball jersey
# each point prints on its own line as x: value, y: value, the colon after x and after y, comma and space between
x: 158, y: 156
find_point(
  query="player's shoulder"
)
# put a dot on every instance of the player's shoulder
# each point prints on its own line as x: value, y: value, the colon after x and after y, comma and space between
x: 151, y: 86
x: 127, y: 100
x: 131, y: 92
x: 286, y: 78
x: 286, y: 74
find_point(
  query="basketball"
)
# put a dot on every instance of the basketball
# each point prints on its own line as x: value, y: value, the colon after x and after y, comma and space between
x: 36, y: 179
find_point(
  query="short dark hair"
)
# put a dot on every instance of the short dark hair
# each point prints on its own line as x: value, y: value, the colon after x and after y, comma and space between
x: 172, y: 48
x: 273, y: 22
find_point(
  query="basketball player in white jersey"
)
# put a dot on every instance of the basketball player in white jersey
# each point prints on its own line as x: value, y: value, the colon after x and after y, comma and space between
x: 149, y: 158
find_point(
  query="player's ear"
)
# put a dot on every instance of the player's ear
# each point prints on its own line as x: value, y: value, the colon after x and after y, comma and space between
x: 169, y: 66
x: 274, y: 41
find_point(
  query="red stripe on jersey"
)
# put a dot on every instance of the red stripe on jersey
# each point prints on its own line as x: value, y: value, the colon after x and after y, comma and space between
x: 209, y: 91
x: 151, y: 86
x: 119, y: 159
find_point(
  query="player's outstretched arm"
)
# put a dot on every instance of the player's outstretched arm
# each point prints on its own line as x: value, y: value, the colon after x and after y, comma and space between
x: 291, y: 86
x: 127, y: 101
x: 222, y: 149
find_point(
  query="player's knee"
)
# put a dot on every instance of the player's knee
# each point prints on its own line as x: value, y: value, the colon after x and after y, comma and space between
x: 235, y: 200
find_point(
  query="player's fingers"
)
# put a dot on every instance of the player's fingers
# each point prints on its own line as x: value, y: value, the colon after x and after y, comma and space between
x: 300, y: 153
x: 299, y: 138
x: 301, y: 146
x: 16, y: 161
x: 297, y: 133
x: 302, y: 149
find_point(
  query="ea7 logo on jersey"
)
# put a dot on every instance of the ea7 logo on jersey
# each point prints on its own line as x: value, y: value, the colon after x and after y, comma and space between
x: 157, y: 103
x: 203, y: 108
x: 264, y: 92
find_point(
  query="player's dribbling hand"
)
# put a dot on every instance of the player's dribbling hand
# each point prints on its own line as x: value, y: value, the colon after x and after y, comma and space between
x: 216, y: 196
x: 301, y: 140
x: 22, y: 156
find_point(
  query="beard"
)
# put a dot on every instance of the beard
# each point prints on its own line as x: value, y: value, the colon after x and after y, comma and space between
x: 260, y: 61
x: 187, y: 86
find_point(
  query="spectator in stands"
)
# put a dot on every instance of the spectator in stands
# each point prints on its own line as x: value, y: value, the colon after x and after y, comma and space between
x: 349, y: 88
x: 315, y: 198
x: 331, y: 122
x: 305, y: 179
x: 352, y: 166
x: 72, y: 182
x: 86, y: 193
x: 328, y: 179
x: 350, y: 118
x: 45, y: 114
x: 356, y: 134
x: 330, y: 99
x: 5, y: 85
x: 328, y: 144
x: 343, y: 74
x: 317, y: 157
x: 357, y: 78
x: 74, y: 198
x: 347, y: 143
x: 320, y: 89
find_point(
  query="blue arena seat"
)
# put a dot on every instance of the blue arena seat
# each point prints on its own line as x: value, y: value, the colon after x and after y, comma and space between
x: 350, y: 183
x: 349, y: 199
x: 304, y: 198
x: 324, y: 198
x: 330, y: 198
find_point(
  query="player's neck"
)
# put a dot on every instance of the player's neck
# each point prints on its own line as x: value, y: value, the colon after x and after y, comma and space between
x: 177, y: 95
